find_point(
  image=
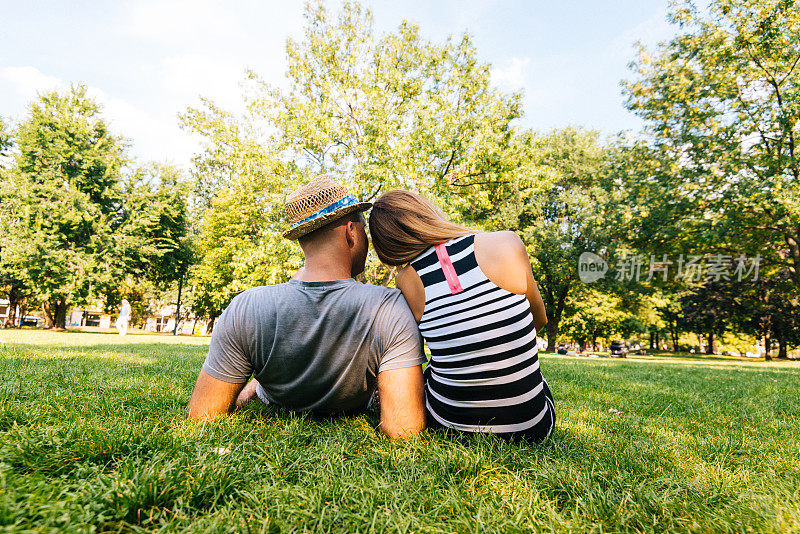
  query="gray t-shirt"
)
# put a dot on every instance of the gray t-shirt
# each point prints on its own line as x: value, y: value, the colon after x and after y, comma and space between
x: 315, y: 346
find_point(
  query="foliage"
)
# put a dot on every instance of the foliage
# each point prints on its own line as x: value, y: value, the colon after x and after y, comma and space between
x: 154, y: 233
x: 590, y: 315
x: 768, y: 308
x: 241, y: 245
x: 397, y: 111
x: 378, y: 112
x: 559, y: 214
x: 5, y: 138
x: 721, y: 102
x: 61, y: 201
x: 11, y: 283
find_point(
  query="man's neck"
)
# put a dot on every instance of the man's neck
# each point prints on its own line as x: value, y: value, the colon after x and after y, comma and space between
x: 322, y: 270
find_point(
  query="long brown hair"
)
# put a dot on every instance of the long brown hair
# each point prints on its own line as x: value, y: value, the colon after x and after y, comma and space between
x: 403, y: 224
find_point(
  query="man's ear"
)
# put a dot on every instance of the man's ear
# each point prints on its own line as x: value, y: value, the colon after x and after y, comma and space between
x: 350, y: 233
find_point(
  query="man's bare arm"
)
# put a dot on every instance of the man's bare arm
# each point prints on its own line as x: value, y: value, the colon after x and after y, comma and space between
x: 402, y: 402
x: 212, y: 397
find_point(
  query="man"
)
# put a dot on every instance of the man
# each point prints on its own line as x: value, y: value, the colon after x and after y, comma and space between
x: 321, y: 342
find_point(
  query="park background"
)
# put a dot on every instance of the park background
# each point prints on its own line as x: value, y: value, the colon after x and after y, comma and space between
x: 118, y: 181
x: 706, y: 169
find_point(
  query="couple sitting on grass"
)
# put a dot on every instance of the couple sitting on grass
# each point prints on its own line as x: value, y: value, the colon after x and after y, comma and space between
x: 323, y: 342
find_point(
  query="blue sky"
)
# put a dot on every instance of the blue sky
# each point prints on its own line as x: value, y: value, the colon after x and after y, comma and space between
x: 147, y: 60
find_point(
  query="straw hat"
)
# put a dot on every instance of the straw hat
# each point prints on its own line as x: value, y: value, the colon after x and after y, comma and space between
x: 317, y: 203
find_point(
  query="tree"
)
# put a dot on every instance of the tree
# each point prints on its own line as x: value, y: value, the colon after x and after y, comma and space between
x: 707, y: 310
x: 153, y: 237
x: 381, y: 113
x: 721, y: 106
x: 240, y: 244
x: 62, y: 200
x: 395, y: 111
x: 559, y: 215
x: 11, y: 283
x: 767, y: 308
x: 591, y: 314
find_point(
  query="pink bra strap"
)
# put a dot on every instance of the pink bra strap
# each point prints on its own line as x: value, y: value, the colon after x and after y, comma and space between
x: 447, y: 267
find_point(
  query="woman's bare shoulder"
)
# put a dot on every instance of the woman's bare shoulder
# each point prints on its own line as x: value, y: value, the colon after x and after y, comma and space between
x: 503, y: 259
x: 506, y: 243
x: 405, y: 275
x: 410, y: 284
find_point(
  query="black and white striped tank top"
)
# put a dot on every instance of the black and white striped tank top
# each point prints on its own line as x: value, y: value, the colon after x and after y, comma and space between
x: 484, y: 371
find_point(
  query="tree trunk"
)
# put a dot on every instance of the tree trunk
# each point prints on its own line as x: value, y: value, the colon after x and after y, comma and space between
x: 552, y: 334
x: 783, y: 352
x: 210, y: 327
x: 14, y: 297
x: 11, y: 319
x: 674, y: 333
x: 58, y: 310
x: 178, y: 306
x: 48, y: 318
x: 767, y: 347
x: 658, y: 341
x: 710, y: 346
x: 23, y: 310
x: 652, y: 341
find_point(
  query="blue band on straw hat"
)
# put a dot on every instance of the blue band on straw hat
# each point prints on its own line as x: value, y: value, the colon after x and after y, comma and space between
x: 349, y: 200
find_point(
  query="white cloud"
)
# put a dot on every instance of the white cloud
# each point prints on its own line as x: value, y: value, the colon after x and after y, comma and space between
x: 189, y: 76
x: 179, y: 21
x: 158, y: 137
x: 471, y: 13
x: 28, y: 81
x: 651, y: 31
x: 512, y: 76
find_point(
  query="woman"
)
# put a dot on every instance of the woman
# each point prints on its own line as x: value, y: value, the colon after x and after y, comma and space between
x: 478, y: 308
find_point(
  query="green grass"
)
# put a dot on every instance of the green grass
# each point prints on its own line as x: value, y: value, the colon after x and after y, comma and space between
x: 93, y: 437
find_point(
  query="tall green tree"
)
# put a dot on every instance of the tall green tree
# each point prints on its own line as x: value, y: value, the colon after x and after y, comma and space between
x: 11, y: 283
x: 719, y: 167
x: 391, y: 111
x: 240, y: 244
x: 380, y: 112
x: 63, y: 201
x: 154, y: 241
x: 561, y: 215
x: 154, y: 230
x: 591, y: 314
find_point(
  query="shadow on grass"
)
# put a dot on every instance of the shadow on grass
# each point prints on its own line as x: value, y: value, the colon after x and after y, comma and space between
x: 610, y: 471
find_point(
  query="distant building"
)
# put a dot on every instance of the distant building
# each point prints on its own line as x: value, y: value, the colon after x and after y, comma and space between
x: 30, y: 319
x: 163, y: 320
x: 160, y: 317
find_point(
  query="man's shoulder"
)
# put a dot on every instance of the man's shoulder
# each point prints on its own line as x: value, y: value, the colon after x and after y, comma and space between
x: 378, y: 290
x: 380, y: 294
x: 256, y: 298
x: 257, y: 292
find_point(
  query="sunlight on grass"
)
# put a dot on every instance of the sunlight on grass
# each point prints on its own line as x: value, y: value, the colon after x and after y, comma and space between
x: 94, y: 433
x: 95, y: 337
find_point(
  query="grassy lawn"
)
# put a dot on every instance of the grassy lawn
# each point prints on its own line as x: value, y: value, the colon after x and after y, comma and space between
x: 92, y: 437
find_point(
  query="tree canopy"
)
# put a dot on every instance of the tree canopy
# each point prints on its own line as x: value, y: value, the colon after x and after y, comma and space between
x: 62, y: 201
x: 718, y: 166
